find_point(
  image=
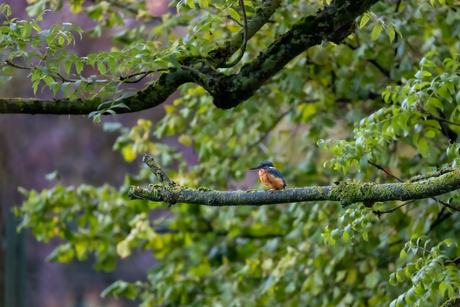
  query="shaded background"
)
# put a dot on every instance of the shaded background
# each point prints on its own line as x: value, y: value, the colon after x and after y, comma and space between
x: 32, y: 146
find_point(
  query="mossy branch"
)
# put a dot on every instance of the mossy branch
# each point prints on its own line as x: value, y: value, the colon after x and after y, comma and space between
x: 453, y: 302
x: 157, y: 171
x: 166, y: 184
x: 347, y: 193
x: 333, y: 23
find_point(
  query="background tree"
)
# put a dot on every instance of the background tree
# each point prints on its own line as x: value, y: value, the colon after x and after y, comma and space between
x: 309, y: 76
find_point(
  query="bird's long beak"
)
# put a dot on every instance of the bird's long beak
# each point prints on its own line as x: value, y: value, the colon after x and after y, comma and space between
x: 252, y: 168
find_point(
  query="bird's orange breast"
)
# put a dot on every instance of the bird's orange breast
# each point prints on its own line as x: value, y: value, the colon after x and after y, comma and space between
x: 270, y: 181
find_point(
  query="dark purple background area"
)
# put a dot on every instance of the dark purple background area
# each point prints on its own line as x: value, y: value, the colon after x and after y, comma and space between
x: 32, y: 146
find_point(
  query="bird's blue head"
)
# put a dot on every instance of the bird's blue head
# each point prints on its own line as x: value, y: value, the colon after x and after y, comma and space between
x: 264, y: 165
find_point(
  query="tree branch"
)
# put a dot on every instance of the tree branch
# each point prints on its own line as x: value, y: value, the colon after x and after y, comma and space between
x: 333, y: 23
x: 346, y: 192
x: 153, y: 95
x: 420, y: 177
x: 245, y: 38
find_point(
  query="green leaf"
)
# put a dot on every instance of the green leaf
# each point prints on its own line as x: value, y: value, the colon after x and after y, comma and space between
x: 35, y: 9
x: 110, y: 290
x: 376, y: 31
x: 190, y: 3
x: 346, y: 237
x: 426, y: 73
x: 55, y: 87
x: 67, y: 66
x: 365, y: 236
x: 112, y: 63
x: 120, y: 105
x: 391, y: 34
x: 364, y: 20
x: 101, y: 67
x: 111, y: 126
x: 6, y: 8
x: 203, y: 3
x: 79, y: 67
x: 451, y: 292
x: 433, y: 123
x: 123, y: 249
x: 363, y: 162
x: 52, y: 176
x: 443, y: 287
x: 423, y: 148
x: 77, y: 85
x: 444, y: 93
x: 234, y: 14
x: 65, y: 87
x: 174, y: 61
x: 436, y: 102
x: 403, y: 254
x: 430, y: 134
x: 448, y: 242
x: 185, y: 139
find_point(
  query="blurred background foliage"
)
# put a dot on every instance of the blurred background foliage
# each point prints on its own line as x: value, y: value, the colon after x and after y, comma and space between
x: 389, y: 95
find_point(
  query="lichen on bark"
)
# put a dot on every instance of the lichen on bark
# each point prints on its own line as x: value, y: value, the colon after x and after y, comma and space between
x: 347, y: 192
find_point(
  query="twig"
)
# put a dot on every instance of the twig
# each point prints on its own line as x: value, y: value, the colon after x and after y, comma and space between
x: 384, y: 170
x: 245, y: 38
x: 379, y: 212
x: 382, y: 69
x: 168, y: 193
x: 441, y: 119
x: 446, y: 204
x: 434, y: 198
x: 207, y: 222
x: 395, y: 243
x: 397, y: 6
x: 231, y: 18
x: 429, y: 175
x: 157, y: 171
x: 144, y: 74
x: 456, y: 260
x: 10, y: 63
x: 440, y: 218
x: 64, y: 79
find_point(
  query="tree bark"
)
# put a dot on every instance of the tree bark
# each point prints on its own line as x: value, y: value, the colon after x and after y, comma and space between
x: 347, y: 193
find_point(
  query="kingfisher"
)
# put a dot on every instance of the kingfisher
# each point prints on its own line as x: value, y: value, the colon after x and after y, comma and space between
x: 270, y: 176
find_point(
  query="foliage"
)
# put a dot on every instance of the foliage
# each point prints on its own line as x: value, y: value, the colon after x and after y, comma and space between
x: 392, y: 100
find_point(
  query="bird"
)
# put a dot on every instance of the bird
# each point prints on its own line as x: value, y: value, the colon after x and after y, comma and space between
x: 270, y: 176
